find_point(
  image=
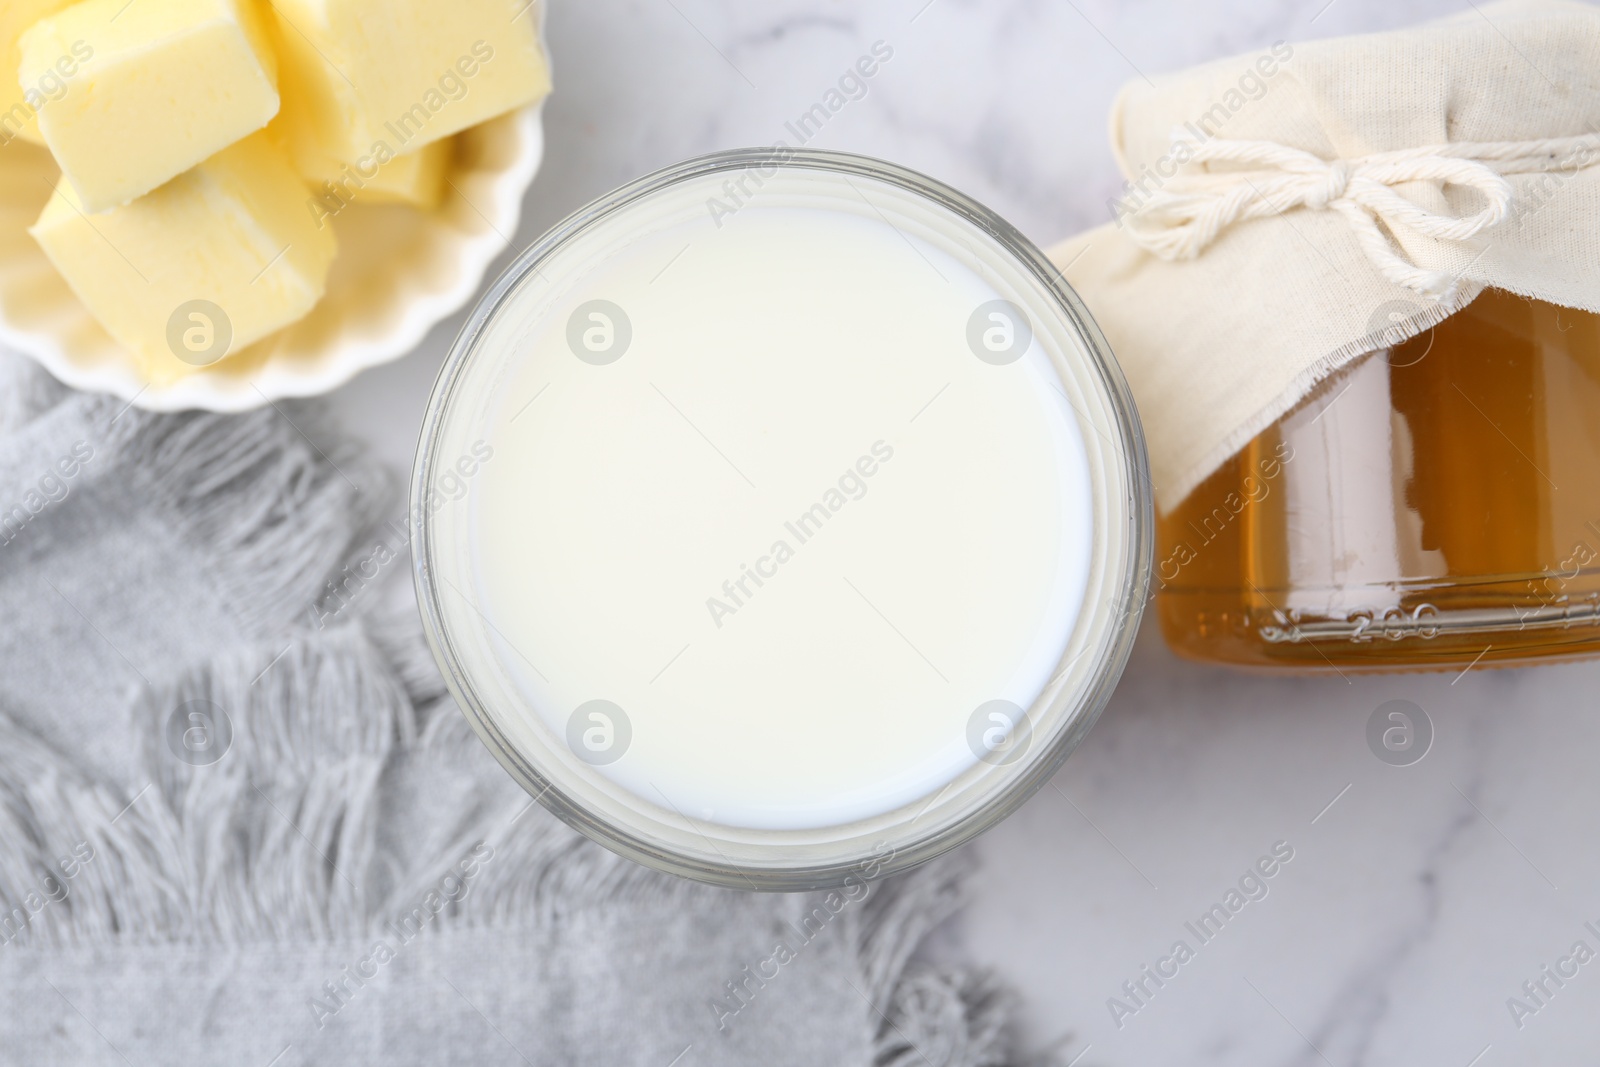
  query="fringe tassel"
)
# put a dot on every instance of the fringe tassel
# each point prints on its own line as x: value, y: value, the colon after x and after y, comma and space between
x: 957, y: 1018
x: 266, y: 508
x: 279, y: 832
x: 80, y: 865
x: 929, y: 1015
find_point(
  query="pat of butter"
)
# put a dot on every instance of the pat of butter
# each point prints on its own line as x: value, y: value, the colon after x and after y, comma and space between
x: 20, y: 103
x: 416, y: 178
x: 169, y: 84
x: 389, y: 78
x: 229, y: 241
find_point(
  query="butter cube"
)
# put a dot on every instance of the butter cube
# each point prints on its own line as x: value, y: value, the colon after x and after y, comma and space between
x: 416, y: 178
x: 388, y: 78
x: 169, y: 84
x: 19, y: 103
x: 212, y: 261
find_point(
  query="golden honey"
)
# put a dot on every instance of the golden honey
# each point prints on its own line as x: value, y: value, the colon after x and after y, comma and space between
x: 1432, y: 505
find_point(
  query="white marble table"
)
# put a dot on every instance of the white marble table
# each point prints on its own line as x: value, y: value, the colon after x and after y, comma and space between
x: 1418, y: 899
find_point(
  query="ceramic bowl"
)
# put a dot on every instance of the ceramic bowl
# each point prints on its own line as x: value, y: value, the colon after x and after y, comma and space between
x: 398, y: 273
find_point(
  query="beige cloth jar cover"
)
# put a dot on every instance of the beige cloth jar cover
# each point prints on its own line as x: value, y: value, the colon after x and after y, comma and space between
x: 1287, y: 212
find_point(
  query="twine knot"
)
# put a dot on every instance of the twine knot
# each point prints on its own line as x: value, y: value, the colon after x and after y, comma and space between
x: 1262, y: 178
x: 1336, y: 179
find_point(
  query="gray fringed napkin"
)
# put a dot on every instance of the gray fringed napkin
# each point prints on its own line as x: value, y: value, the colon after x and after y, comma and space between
x: 242, y: 823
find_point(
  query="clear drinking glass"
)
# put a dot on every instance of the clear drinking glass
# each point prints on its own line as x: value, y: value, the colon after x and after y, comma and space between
x: 474, y: 396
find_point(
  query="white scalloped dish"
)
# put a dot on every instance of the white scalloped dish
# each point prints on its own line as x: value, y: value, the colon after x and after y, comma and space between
x: 399, y: 271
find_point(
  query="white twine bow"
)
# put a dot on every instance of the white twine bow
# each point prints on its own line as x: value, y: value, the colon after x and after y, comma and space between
x: 1270, y: 178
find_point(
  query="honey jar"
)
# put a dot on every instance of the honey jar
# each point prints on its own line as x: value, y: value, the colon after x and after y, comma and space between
x: 1432, y: 505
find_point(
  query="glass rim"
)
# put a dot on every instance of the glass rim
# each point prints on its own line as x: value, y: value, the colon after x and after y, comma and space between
x: 1133, y: 581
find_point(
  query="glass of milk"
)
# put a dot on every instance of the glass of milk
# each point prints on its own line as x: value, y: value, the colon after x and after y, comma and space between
x: 781, y: 519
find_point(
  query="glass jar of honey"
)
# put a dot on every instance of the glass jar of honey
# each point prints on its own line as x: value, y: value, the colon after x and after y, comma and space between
x: 1432, y: 505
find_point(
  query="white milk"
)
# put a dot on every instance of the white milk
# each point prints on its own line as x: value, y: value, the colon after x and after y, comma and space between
x: 798, y: 532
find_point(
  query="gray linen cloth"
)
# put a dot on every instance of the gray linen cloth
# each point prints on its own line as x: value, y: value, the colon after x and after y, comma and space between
x: 242, y: 823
